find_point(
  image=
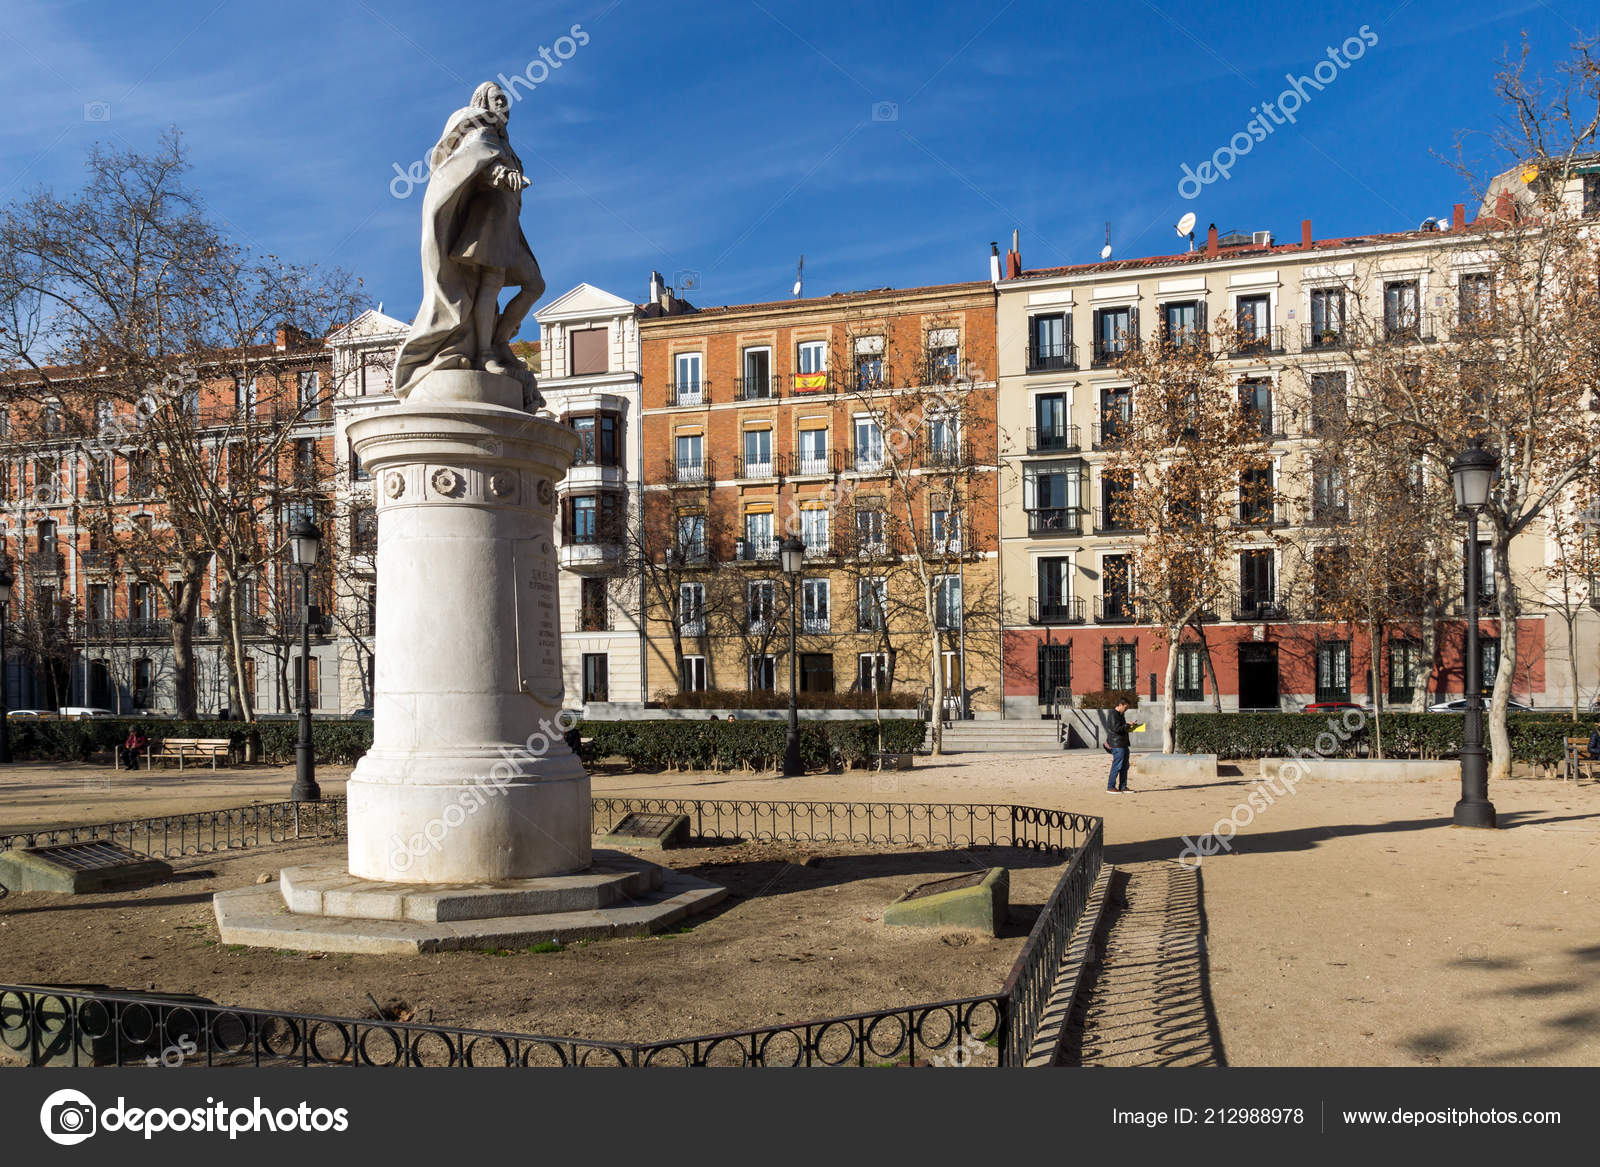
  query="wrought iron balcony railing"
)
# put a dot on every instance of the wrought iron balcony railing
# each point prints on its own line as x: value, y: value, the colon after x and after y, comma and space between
x: 755, y: 388
x: 1057, y: 439
x: 689, y: 393
x: 1055, y: 610
x: 1055, y: 521
x: 1051, y: 357
x: 1252, y: 342
x: 1114, y: 609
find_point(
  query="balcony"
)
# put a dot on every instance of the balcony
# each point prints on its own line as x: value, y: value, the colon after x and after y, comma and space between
x: 818, y: 548
x: 1108, y: 352
x: 940, y: 367
x: 758, y: 467
x: 591, y: 556
x: 1103, y: 433
x: 1055, y: 521
x: 1245, y: 343
x: 1060, y: 439
x: 1114, y: 520
x: 689, y: 473
x: 692, y: 553
x: 98, y: 560
x: 689, y: 393
x: 1254, y: 514
x: 815, y: 624
x: 755, y: 389
x: 690, y: 629
x: 128, y: 629
x: 946, y: 453
x: 798, y: 465
x: 756, y: 549
x: 1049, y: 610
x: 871, y: 460
x: 1325, y: 514
x: 1252, y: 610
x: 1329, y: 336
x: 1115, y: 609
x: 1408, y: 328
x: 1052, y: 357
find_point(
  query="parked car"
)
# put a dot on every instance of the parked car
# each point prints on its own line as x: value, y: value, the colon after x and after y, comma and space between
x: 1460, y: 706
x: 33, y: 714
x: 80, y: 712
x: 1334, y: 707
x: 364, y: 713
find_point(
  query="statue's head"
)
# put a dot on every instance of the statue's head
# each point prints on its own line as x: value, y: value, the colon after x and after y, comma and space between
x: 490, y: 98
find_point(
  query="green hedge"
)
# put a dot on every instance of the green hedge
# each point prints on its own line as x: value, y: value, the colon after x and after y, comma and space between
x: 1536, y: 738
x: 338, y: 742
x: 726, y: 745
x: 1108, y: 698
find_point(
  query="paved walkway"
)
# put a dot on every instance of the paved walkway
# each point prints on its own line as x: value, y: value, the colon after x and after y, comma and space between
x: 1149, y: 1003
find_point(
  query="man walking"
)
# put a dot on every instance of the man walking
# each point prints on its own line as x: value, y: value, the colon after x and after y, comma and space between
x: 1117, y: 739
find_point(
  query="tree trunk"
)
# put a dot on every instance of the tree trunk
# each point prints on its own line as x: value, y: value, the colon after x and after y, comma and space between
x: 1571, y: 617
x: 1505, y: 674
x: 1211, y: 669
x: 1375, y: 648
x: 1169, y: 699
x: 1422, y: 679
x: 187, y: 600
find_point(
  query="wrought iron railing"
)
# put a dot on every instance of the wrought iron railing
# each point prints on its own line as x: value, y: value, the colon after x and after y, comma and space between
x: 1052, y: 439
x: 200, y: 832
x: 48, y: 1025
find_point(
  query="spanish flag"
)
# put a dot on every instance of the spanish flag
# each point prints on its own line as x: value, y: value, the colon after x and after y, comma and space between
x: 810, y: 382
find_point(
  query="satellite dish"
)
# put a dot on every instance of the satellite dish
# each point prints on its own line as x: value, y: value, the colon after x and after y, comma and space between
x: 1445, y: 221
x: 1186, y: 224
x: 1105, y: 252
x: 1429, y: 224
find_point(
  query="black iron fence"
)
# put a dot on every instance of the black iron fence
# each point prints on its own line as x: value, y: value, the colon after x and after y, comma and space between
x: 201, y: 832
x: 79, y: 1026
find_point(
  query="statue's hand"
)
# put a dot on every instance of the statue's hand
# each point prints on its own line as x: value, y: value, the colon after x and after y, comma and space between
x: 511, y: 179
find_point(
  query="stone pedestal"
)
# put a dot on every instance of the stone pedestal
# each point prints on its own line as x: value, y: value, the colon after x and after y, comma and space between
x: 469, y: 779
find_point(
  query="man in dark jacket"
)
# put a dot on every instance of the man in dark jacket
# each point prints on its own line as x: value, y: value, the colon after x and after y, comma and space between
x: 1117, y: 739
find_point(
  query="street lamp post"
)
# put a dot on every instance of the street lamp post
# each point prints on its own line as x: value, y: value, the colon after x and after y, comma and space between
x: 1472, y: 472
x: 791, y: 556
x: 6, y: 580
x: 304, y: 543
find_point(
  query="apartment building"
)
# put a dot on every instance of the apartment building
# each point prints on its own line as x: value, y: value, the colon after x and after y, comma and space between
x: 589, y: 339
x: 87, y: 534
x: 1071, y: 621
x: 861, y: 423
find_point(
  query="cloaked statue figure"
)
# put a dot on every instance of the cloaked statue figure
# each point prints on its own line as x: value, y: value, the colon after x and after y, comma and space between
x: 472, y: 248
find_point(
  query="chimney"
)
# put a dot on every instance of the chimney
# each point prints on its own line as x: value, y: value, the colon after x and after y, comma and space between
x: 994, y: 262
x: 1014, y: 256
x: 1458, y: 217
x: 1504, y: 208
x: 1211, y: 240
x: 1305, y: 232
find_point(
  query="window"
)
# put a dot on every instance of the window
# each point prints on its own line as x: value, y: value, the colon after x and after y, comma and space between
x: 815, y: 601
x: 692, y: 609
x: 872, y: 603
x: 1115, y: 332
x: 99, y: 472
x: 763, y: 672
x: 1256, y: 494
x: 1333, y: 670
x: 686, y: 383
x: 1116, y: 588
x: 1255, y: 396
x: 1052, y: 494
x: 1183, y: 323
x: 811, y: 366
x: 693, y: 679
x: 761, y: 605
x: 944, y: 438
x: 942, y: 354
x: 1252, y: 324
x: 98, y: 602
x: 308, y: 387
x: 358, y: 470
x: 305, y: 460
x: 757, y: 380
x: 1116, y: 494
x: 1256, y: 591
x: 1055, y: 672
x: 1488, y: 593
x: 363, y: 530
x: 814, y: 532
x: 691, y: 464
x: 816, y: 672
x: 1327, y: 316
x: 869, y: 363
x: 947, y: 602
x: 1488, y: 663
x: 872, y: 672
x: 595, y: 686
x: 1405, y: 666
x: 52, y: 419
x: 369, y: 623
x: 1330, y: 568
x: 1476, y: 292
x: 1327, y: 403
x: 1048, y: 339
x: 1116, y: 411
x: 1591, y: 194
x: 45, y: 534
x: 597, y: 439
x: 307, y: 684
x: 583, y: 519
x: 594, y: 609
x: 1190, y: 684
x: 757, y: 454
x: 141, y: 478
x: 590, y: 351
x: 1055, y: 589
x: 1119, y: 664
x: 141, y: 682
x: 870, y: 531
x: 758, y: 540
x: 1050, y: 422
x: 244, y: 396
x: 691, y: 537
x: 1328, y: 501
x: 944, y: 529
x: 1400, y: 308
x: 869, y: 443
x: 814, y: 452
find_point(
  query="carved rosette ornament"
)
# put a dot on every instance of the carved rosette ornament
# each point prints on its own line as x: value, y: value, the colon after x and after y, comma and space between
x: 502, y: 484
x: 394, y: 484
x: 546, y: 492
x: 447, y: 482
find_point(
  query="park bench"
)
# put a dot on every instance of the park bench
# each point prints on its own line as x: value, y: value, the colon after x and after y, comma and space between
x: 1580, y: 760
x: 187, y: 749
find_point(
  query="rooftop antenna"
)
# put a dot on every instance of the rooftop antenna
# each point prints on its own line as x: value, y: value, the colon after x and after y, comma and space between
x: 799, y: 277
x: 1186, y: 228
x: 1105, y: 252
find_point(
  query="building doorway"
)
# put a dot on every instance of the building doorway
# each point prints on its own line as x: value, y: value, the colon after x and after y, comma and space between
x: 1258, y: 676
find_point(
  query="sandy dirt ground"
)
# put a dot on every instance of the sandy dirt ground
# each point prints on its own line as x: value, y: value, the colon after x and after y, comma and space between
x: 1349, y: 925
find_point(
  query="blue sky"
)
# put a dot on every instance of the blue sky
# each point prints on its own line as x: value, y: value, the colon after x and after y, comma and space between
x: 722, y: 140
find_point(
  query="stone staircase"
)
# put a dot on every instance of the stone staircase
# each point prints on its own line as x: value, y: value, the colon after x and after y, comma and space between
x: 1018, y: 736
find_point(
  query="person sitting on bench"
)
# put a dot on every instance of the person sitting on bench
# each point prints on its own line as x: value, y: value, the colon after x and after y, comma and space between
x: 133, y: 747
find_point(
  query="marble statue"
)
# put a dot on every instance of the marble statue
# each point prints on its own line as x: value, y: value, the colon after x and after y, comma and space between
x: 472, y: 248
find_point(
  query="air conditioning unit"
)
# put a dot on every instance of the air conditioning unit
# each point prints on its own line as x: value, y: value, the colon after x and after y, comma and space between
x: 1261, y: 238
